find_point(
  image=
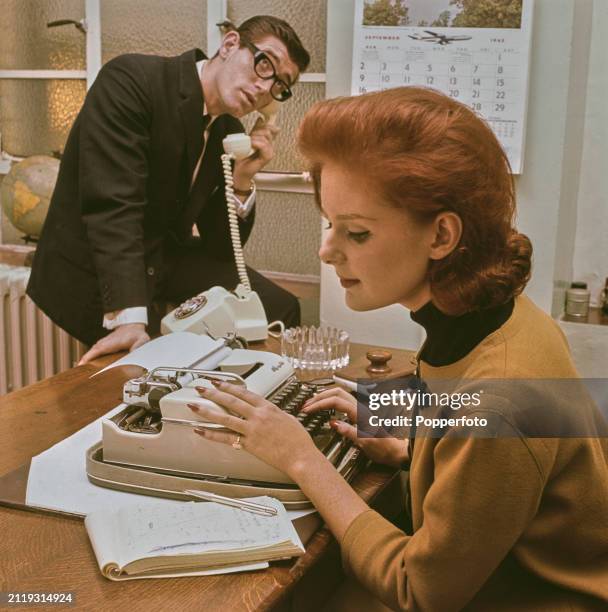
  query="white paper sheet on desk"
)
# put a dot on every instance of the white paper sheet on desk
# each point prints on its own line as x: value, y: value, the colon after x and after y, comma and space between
x: 180, y: 349
x: 58, y: 480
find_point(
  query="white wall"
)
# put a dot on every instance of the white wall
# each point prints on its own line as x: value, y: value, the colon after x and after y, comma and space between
x: 560, y: 147
x: 591, y: 247
x: 547, y: 188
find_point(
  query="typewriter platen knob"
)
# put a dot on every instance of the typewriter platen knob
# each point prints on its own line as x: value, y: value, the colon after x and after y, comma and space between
x: 378, y: 361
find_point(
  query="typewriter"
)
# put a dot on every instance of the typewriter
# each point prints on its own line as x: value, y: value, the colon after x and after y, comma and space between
x: 149, y: 447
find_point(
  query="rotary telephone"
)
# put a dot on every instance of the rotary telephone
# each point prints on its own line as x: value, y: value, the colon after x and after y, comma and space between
x: 217, y: 311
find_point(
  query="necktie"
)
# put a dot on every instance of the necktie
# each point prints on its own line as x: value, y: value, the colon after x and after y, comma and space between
x: 206, y: 122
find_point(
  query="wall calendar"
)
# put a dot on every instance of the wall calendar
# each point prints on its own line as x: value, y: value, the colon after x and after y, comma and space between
x: 475, y: 51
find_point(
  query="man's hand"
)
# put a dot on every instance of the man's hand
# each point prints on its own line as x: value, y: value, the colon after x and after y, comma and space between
x: 262, y: 138
x: 124, y: 337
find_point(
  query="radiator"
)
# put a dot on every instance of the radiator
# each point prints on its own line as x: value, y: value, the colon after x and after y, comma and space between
x: 32, y: 347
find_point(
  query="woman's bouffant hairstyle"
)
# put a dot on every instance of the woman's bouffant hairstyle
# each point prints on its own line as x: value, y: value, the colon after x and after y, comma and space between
x: 427, y: 153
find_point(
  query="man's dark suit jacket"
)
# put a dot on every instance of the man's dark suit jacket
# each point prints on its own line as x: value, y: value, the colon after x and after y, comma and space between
x: 123, y: 192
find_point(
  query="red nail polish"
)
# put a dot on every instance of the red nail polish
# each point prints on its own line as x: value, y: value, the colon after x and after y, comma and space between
x: 216, y: 383
x: 193, y: 407
x: 201, y: 390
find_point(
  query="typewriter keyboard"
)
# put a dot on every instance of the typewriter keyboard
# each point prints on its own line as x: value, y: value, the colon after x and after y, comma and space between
x: 290, y: 398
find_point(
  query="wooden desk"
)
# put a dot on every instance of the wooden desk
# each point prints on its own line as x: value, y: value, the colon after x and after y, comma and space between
x: 50, y: 553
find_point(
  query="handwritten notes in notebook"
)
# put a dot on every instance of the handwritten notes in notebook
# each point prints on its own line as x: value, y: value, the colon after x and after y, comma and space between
x: 154, y: 541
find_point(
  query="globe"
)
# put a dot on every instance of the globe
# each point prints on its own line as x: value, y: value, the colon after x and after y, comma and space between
x: 26, y: 191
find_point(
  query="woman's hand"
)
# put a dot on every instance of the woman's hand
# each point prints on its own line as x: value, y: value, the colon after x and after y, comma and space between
x: 280, y: 440
x: 335, y: 398
x: 264, y: 430
x: 388, y: 451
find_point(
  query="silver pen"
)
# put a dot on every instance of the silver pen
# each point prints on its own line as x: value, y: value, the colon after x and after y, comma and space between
x: 235, y: 503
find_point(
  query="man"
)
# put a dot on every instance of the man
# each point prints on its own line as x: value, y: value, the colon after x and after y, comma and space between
x: 142, y: 166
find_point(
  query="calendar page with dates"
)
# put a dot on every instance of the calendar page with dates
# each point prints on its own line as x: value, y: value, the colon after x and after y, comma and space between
x: 475, y: 51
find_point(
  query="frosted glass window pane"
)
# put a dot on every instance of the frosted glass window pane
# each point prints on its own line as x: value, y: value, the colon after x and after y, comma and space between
x: 27, y: 44
x: 36, y: 115
x: 307, y: 17
x: 287, y: 158
x: 287, y: 234
x: 155, y: 27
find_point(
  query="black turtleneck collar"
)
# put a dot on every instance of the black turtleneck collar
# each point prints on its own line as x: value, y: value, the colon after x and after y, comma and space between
x: 450, y: 338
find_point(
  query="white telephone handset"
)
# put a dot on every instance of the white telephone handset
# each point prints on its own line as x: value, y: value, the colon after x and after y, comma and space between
x: 239, y: 145
x: 217, y: 311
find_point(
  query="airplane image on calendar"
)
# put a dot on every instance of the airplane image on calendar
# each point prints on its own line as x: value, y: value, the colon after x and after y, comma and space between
x: 440, y: 39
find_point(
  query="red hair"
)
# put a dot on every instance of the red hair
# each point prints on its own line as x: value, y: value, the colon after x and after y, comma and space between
x: 427, y: 153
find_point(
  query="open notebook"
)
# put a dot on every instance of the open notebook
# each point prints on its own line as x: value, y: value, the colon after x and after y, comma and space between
x: 192, y: 538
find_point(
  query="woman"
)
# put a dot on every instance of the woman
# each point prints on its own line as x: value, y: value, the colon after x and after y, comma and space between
x: 419, y: 201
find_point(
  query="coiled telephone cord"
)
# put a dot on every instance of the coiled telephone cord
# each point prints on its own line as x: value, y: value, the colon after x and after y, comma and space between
x: 233, y: 222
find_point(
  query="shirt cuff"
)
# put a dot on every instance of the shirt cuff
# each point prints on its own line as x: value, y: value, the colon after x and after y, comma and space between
x: 244, y: 208
x: 136, y: 314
